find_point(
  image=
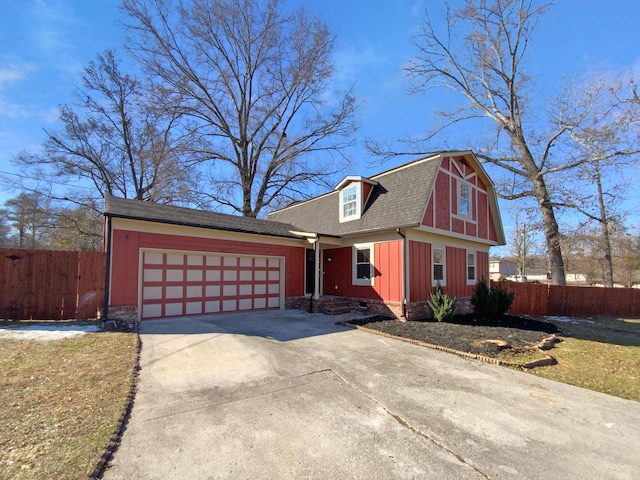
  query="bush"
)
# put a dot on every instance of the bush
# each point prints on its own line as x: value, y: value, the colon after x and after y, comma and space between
x: 442, y: 306
x: 490, y: 302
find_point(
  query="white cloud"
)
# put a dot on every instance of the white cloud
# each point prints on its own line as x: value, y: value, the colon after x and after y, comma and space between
x: 14, y: 111
x: 50, y: 20
x: 10, y: 74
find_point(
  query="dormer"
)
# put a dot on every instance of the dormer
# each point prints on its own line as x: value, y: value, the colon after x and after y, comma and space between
x: 353, y: 192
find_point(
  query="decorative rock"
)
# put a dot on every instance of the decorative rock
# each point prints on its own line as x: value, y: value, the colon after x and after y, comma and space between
x: 549, y: 342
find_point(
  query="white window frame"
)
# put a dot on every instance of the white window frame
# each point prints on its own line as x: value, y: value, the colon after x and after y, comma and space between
x: 471, y: 281
x: 372, y: 271
x: 435, y: 281
x: 358, y: 196
x: 462, y: 185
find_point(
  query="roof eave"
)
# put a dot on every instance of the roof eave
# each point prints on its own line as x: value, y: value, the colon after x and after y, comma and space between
x: 199, y: 225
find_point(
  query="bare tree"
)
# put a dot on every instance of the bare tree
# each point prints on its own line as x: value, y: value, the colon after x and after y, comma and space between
x: 29, y: 216
x: 120, y: 137
x: 604, y: 138
x: 255, y: 87
x: 79, y: 228
x: 481, y: 56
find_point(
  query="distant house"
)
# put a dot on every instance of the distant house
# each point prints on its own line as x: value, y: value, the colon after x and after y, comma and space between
x: 502, y: 267
x: 380, y: 243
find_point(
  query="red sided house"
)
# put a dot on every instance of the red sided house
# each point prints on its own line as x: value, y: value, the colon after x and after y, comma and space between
x: 380, y: 243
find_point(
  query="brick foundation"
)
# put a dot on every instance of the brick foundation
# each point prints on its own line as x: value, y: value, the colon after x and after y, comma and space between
x: 125, y: 313
x: 420, y: 310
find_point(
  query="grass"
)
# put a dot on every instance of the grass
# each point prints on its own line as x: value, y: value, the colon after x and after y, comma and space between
x: 61, y: 401
x: 601, y: 354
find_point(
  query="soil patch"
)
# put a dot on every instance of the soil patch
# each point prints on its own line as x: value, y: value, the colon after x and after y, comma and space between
x: 468, y: 333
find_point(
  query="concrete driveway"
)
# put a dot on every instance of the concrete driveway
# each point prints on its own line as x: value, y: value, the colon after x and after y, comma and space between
x: 288, y: 395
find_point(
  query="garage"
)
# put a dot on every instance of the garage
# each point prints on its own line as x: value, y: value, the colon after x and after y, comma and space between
x: 181, y: 283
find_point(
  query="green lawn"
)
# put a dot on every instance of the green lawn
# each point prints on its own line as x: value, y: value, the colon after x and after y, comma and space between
x: 601, y: 354
x: 61, y: 402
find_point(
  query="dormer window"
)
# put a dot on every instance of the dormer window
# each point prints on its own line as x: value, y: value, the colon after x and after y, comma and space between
x: 353, y: 193
x: 350, y: 201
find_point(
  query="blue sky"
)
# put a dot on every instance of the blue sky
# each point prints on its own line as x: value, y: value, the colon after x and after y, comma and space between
x: 44, y: 45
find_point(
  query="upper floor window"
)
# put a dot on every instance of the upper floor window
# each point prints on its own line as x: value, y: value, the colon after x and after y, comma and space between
x: 464, y: 199
x: 349, y: 198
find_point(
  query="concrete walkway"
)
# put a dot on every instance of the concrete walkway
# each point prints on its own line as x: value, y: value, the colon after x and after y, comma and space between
x: 290, y: 395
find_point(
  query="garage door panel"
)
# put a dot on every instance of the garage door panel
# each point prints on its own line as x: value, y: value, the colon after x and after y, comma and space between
x: 175, y: 284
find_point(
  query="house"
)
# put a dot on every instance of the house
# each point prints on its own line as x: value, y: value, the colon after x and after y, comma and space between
x: 502, y: 267
x: 380, y: 243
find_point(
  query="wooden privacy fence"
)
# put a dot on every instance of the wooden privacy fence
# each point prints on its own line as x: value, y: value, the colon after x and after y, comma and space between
x: 50, y: 285
x: 537, y: 299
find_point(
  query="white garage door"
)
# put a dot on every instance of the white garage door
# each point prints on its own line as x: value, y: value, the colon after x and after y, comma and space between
x: 186, y: 283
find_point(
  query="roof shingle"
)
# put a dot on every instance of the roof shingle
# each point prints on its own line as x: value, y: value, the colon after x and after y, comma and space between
x: 398, y: 200
x: 154, y: 212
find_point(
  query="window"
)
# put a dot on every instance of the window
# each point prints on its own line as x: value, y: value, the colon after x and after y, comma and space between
x: 349, y: 203
x: 363, y: 271
x: 438, y: 266
x: 471, y: 268
x: 464, y: 199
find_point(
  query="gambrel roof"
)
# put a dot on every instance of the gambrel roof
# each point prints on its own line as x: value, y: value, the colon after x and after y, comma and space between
x: 398, y: 200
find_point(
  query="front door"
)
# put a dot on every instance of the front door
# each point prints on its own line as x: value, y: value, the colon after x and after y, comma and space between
x: 309, y: 284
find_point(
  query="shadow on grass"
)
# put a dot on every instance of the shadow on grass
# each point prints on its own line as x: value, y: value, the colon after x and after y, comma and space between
x: 614, y: 331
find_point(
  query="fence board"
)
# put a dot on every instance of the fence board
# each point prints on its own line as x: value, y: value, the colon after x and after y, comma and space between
x: 538, y: 299
x: 50, y: 285
x: 529, y: 298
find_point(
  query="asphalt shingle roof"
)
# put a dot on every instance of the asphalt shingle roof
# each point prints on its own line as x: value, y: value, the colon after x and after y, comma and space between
x: 398, y: 200
x: 154, y: 212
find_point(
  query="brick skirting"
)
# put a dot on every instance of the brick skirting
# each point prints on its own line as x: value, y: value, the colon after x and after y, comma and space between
x: 125, y: 313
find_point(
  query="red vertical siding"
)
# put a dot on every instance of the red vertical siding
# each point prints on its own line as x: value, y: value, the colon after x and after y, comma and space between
x: 482, y: 265
x: 428, y: 214
x: 482, y: 215
x: 124, y: 267
x: 492, y: 229
x: 470, y: 229
x: 126, y: 245
x: 338, y: 274
x: 419, y: 271
x: 445, y: 196
x: 443, y: 213
x: 366, y: 190
x: 457, y: 225
x: 457, y: 273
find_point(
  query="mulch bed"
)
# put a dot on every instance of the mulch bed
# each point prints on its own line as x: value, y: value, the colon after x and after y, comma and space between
x: 467, y: 333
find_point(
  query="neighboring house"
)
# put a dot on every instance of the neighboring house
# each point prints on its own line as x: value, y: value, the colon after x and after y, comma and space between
x: 381, y: 243
x: 502, y: 267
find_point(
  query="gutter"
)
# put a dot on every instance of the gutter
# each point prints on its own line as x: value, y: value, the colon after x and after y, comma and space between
x: 380, y: 229
x: 107, y: 273
x: 404, y: 272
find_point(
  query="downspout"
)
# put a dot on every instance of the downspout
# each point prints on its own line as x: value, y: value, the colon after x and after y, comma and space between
x: 107, y: 273
x: 316, y: 273
x: 404, y: 272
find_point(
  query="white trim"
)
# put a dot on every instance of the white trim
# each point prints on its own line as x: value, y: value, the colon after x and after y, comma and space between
x: 149, y: 226
x: 467, y: 217
x: 443, y: 281
x: 143, y: 250
x: 471, y: 281
x: 354, y: 262
x: 357, y: 186
x: 459, y: 236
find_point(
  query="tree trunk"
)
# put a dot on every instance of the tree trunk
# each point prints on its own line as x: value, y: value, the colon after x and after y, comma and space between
x: 606, y: 233
x: 551, y: 232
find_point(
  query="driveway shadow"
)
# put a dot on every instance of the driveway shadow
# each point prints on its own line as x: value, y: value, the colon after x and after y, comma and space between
x: 280, y: 325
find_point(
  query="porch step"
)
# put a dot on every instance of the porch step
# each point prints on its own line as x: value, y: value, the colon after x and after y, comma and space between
x: 337, y: 308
